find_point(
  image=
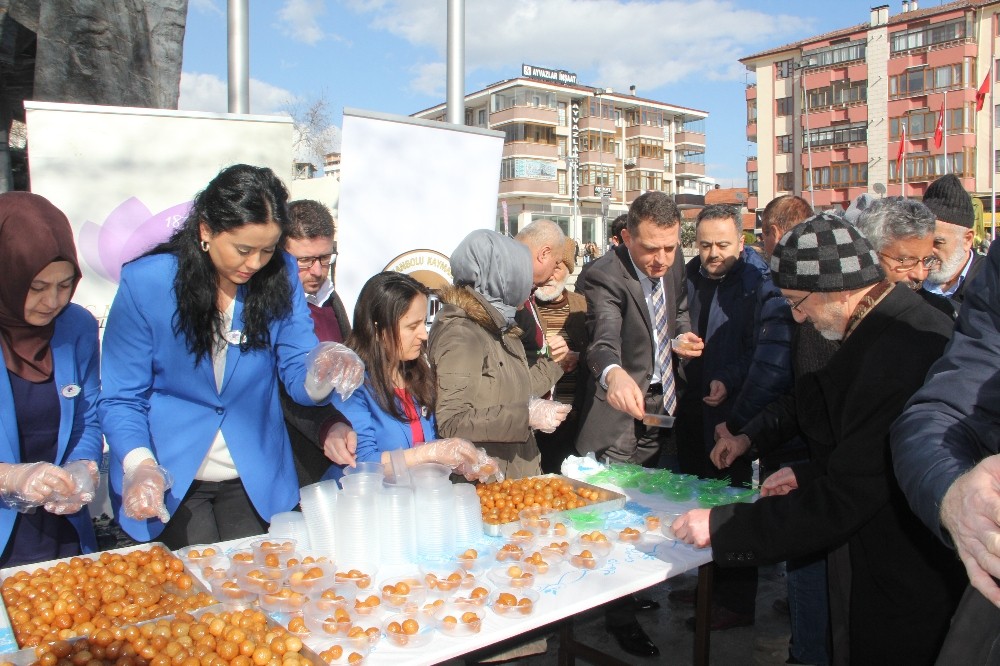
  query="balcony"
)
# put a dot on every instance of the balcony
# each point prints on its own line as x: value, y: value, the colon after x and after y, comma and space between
x: 690, y: 138
x: 529, y: 114
x: 649, y: 163
x: 598, y: 123
x: 528, y: 149
x: 651, y: 131
x: 690, y: 169
x: 529, y: 186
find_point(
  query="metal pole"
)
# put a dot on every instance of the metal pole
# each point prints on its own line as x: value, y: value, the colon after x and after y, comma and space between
x: 239, y: 56
x: 902, y: 171
x: 808, y: 141
x: 944, y: 131
x: 456, y: 62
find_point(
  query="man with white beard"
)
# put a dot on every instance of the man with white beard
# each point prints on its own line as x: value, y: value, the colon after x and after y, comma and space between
x: 953, y: 238
x: 563, y: 313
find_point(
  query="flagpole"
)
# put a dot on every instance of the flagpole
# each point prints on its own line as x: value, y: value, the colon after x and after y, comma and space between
x: 902, y: 164
x: 944, y: 125
x: 993, y: 138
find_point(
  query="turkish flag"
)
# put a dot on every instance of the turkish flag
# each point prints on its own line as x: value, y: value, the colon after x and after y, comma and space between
x: 939, y: 130
x: 983, y: 89
x: 902, y: 148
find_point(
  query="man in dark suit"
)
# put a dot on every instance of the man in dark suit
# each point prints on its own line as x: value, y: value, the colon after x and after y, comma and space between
x: 318, y: 434
x: 903, y: 583
x: 635, y: 305
x: 955, y: 218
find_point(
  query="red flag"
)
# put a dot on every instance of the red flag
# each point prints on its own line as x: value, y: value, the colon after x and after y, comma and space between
x: 902, y: 148
x: 983, y: 89
x: 939, y: 130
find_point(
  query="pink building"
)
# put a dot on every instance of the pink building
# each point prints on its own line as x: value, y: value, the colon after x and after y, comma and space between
x: 827, y: 113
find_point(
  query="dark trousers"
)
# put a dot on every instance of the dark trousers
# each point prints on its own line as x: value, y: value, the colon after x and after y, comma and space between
x: 974, y: 637
x: 213, y: 511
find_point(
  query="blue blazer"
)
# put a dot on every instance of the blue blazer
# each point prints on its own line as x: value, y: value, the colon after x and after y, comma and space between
x: 377, y: 430
x: 76, y: 364
x: 154, y: 394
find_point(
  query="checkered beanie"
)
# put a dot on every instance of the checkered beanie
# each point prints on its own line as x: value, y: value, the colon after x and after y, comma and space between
x: 825, y: 253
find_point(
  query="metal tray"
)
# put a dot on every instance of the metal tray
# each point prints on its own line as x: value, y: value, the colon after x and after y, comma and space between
x: 610, y: 501
x: 8, y: 644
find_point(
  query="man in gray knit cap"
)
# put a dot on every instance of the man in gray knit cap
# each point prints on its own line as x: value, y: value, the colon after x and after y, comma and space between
x: 904, y: 584
x: 955, y: 218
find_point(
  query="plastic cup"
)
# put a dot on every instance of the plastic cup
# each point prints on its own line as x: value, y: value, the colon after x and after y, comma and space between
x: 365, y: 468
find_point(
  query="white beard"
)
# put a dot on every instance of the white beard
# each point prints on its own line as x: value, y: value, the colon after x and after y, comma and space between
x: 948, y: 268
x: 551, y: 291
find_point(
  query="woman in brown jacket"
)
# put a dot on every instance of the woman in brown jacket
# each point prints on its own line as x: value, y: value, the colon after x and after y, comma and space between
x: 486, y: 391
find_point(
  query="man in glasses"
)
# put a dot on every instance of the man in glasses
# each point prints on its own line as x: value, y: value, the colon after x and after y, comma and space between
x: 902, y: 233
x: 318, y: 434
x: 953, y: 238
x: 904, y: 584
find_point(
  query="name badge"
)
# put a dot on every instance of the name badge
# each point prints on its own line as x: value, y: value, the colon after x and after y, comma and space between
x: 70, y: 391
x: 235, y: 337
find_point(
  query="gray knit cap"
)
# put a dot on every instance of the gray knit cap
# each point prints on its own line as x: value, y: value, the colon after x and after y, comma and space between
x: 825, y: 253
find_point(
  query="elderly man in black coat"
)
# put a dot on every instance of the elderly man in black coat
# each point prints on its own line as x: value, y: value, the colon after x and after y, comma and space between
x: 904, y: 583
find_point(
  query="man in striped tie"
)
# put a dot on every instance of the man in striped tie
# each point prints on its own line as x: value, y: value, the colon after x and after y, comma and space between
x: 635, y: 306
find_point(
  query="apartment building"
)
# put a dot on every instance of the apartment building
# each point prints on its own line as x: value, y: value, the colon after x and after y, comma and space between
x: 578, y: 154
x: 828, y: 113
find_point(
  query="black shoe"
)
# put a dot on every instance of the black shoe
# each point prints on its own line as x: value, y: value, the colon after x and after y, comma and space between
x: 645, y: 604
x: 632, y: 639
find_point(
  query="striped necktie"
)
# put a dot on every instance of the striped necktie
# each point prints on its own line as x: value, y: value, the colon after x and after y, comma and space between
x: 663, y: 363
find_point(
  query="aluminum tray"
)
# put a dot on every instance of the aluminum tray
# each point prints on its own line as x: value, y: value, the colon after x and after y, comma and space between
x: 610, y: 501
x: 8, y: 644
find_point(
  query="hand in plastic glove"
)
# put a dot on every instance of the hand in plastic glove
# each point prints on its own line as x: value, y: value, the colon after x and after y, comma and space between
x: 482, y: 469
x: 86, y: 476
x: 28, y: 485
x: 453, y: 452
x: 332, y: 366
x: 546, y: 415
x: 142, y: 491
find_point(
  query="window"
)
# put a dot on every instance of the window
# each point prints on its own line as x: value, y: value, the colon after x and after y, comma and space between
x: 751, y: 111
x: 925, y: 79
x: 837, y: 134
x: 696, y: 126
x: 562, y: 115
x: 482, y: 117
x: 785, y: 143
x: 596, y: 174
x: 930, y: 167
x: 839, y: 92
x: 834, y: 54
x: 562, y: 146
x: 643, y: 147
x: 783, y: 69
x: 923, y: 124
x: 752, y: 182
x: 785, y: 182
x: 530, y: 133
x: 940, y: 33
x: 561, y: 180
x: 644, y: 180
x: 784, y: 106
x: 836, y: 176
x: 519, y: 167
x: 519, y: 96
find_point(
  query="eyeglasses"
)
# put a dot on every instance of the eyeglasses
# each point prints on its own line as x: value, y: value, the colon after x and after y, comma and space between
x: 324, y: 261
x: 906, y: 263
x: 796, y: 304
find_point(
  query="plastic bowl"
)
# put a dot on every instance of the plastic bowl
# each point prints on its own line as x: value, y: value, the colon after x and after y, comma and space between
x: 284, y: 600
x: 360, y: 579
x: 523, y: 604
x: 274, y: 551
x: 459, y: 622
x: 343, y: 650
x: 666, y: 520
x: 509, y: 552
x: 404, y: 593
x: 261, y: 579
x: 522, y: 536
x: 420, y: 635
x: 629, y: 535
x: 515, y: 576
x: 596, y: 541
x: 537, y: 519
x: 204, y: 559
x: 583, y: 557
x: 470, y: 599
x: 343, y: 594
x: 229, y: 591
x: 476, y: 559
x: 445, y: 577
x: 542, y: 564
x: 326, y: 619
x: 367, y: 604
x: 306, y: 578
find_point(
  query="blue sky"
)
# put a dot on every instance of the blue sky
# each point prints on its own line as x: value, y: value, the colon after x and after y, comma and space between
x: 389, y: 55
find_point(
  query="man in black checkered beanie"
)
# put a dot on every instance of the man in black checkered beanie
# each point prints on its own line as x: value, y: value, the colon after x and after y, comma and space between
x: 903, y: 584
x: 827, y: 261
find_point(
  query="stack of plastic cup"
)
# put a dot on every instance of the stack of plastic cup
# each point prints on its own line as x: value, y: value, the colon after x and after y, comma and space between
x: 290, y: 525
x: 434, y: 502
x: 358, y: 531
x: 319, y: 509
x: 364, y: 468
x: 368, y: 483
x: 468, y: 516
x: 397, y: 525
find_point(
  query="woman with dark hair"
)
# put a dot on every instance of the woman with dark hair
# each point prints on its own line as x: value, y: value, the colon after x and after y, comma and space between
x: 199, y: 334
x: 49, y: 436
x: 393, y: 411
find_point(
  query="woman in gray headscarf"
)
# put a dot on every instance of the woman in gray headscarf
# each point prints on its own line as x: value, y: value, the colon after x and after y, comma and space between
x: 486, y: 390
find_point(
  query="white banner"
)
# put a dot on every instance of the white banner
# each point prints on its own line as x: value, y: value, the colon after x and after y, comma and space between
x: 125, y: 177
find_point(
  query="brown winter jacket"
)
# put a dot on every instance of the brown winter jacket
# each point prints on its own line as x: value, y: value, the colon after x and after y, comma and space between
x: 484, y: 382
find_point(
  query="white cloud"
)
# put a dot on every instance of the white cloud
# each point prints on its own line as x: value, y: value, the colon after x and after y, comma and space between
x: 429, y: 79
x: 207, y: 7
x: 299, y: 20
x: 207, y: 92
x: 648, y: 44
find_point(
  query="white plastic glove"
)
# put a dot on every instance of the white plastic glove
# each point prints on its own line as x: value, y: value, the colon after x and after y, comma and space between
x: 25, y: 486
x: 452, y: 452
x: 482, y: 469
x: 332, y: 366
x: 142, y: 491
x: 546, y: 415
x: 86, y: 476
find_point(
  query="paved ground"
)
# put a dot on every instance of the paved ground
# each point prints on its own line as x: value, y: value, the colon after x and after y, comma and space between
x: 764, y: 644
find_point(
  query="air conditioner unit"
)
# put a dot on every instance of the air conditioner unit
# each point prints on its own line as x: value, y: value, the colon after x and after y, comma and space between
x: 629, y: 162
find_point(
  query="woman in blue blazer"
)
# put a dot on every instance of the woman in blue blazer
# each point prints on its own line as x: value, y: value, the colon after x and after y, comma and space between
x: 393, y: 411
x: 50, y: 439
x: 201, y: 331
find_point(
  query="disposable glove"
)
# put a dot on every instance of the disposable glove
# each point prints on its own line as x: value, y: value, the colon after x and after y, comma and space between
x: 142, y: 491
x: 482, y: 469
x: 332, y: 366
x: 25, y: 486
x: 452, y: 452
x: 86, y: 476
x: 546, y: 415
